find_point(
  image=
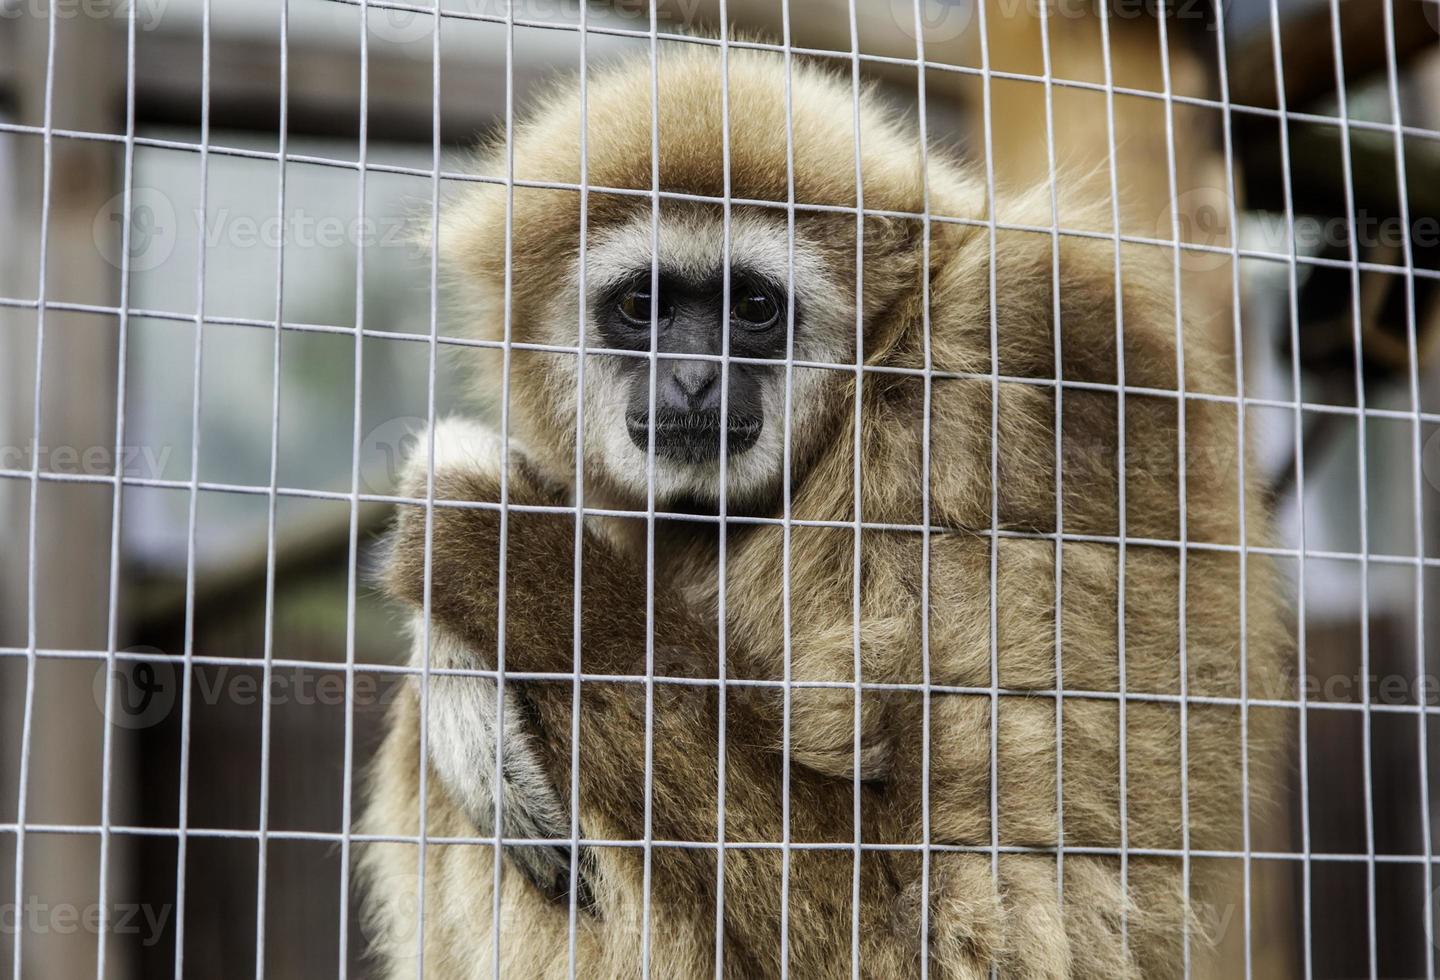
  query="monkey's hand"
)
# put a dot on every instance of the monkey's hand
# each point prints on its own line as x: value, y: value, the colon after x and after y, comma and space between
x: 479, y: 566
x: 516, y: 610
x: 451, y: 564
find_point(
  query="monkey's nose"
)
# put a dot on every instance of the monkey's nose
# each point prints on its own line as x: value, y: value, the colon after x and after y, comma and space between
x: 695, y: 383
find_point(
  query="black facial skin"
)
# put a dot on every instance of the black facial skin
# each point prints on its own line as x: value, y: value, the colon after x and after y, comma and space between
x: 691, y: 320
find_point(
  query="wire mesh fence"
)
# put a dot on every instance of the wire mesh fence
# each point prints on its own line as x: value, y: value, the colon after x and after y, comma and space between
x: 1119, y: 545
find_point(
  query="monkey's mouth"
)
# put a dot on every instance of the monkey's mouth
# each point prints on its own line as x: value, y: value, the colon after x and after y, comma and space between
x: 693, y: 437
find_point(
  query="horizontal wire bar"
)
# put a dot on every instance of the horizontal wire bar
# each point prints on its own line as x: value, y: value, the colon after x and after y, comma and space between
x: 406, y: 670
x: 643, y: 194
x: 571, y: 511
x: 848, y: 846
x: 894, y: 60
x: 850, y: 369
x: 712, y: 518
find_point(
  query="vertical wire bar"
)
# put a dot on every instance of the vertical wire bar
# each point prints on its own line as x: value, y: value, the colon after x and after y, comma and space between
x: 357, y: 412
x: 116, y: 502
x: 1361, y: 458
x: 857, y: 448
x: 1241, y: 456
x: 921, y: 101
x: 991, y: 294
x: 1292, y: 291
x: 786, y: 528
x: 650, y: 489
x: 1057, y: 344
x: 1182, y: 559
x: 577, y: 594
x: 428, y: 579
x: 721, y: 569
x: 1120, y: 554
x: 262, y: 841
x: 31, y: 655
x: 192, y: 518
x: 1392, y: 86
x: 505, y: 354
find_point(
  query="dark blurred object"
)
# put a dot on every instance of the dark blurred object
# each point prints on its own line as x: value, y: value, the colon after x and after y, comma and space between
x: 1309, y: 54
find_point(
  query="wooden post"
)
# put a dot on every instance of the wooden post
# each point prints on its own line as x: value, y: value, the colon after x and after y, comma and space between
x: 74, y: 521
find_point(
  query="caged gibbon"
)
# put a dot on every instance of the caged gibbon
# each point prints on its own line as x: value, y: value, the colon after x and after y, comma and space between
x: 1083, y: 871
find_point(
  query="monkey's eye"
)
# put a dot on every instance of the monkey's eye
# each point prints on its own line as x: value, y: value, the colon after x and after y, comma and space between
x: 755, y: 310
x: 636, y: 305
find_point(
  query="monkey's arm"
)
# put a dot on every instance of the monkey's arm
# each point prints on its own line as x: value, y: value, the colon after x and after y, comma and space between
x: 680, y: 724
x: 464, y: 556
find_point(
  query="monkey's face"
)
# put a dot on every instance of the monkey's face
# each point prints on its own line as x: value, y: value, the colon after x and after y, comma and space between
x: 721, y: 323
x: 704, y: 337
x: 696, y: 401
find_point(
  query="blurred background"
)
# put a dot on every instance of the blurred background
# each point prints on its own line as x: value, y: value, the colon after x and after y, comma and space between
x: 216, y: 810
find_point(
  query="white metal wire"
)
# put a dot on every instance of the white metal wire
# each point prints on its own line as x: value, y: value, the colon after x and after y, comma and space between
x: 426, y: 627
x: 31, y: 598
x: 116, y: 500
x: 987, y: 127
x: 1293, y: 311
x: 1362, y: 491
x: 506, y: 356
x: 192, y: 515
x: 857, y: 449
x: 124, y: 656
x: 654, y: 52
x: 926, y: 694
x: 352, y: 562
x: 272, y: 498
x: 334, y: 837
x: 1183, y: 558
x: 577, y: 592
x: 1058, y: 343
x: 1392, y: 90
x: 787, y: 503
x: 1112, y: 158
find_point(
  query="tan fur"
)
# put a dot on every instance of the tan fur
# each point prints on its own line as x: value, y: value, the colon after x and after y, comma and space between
x: 1015, y: 921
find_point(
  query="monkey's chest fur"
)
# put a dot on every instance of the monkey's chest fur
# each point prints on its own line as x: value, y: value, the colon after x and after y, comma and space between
x: 947, y: 695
